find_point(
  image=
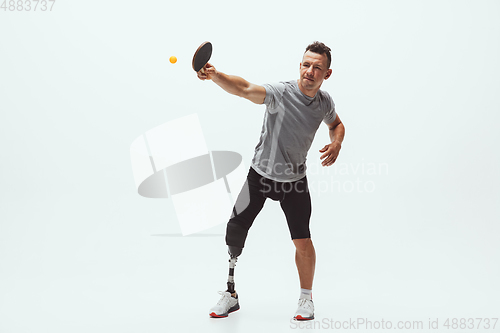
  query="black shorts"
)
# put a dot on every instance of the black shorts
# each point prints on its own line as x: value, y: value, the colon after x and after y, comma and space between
x: 294, y: 199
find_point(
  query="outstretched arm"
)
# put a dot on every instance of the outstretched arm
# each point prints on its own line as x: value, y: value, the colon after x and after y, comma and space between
x: 233, y: 84
x: 331, y: 151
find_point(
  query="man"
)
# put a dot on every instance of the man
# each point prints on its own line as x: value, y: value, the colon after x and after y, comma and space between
x: 294, y: 111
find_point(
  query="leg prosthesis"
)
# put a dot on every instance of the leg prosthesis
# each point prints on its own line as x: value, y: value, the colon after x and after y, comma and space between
x: 234, y: 252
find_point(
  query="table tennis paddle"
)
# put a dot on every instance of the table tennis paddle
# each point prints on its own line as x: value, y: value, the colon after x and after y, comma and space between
x: 202, y: 56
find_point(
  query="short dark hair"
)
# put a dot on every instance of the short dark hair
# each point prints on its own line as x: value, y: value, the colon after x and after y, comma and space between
x: 320, y: 48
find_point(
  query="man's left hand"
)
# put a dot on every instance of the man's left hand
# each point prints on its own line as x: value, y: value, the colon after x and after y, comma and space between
x: 331, y: 151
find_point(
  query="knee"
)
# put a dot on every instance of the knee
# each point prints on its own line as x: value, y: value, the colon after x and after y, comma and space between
x: 236, y: 235
x: 303, y: 245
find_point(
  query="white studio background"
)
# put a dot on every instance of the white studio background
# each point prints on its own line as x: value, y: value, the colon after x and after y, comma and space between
x: 405, y: 225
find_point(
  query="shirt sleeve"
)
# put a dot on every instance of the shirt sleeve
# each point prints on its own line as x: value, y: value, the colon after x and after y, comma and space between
x: 330, y: 114
x: 274, y: 94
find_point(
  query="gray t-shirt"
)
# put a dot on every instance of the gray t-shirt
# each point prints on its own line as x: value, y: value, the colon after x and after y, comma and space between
x: 290, y: 123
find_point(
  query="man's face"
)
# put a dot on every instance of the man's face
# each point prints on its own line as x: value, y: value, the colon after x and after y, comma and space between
x: 313, y: 72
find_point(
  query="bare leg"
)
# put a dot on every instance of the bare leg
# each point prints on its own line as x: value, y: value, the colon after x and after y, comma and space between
x: 305, y: 259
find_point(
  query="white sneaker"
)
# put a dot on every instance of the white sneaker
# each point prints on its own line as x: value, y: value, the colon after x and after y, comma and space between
x: 225, y: 305
x: 305, y: 310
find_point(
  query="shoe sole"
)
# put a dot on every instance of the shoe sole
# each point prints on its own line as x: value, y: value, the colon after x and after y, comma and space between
x: 224, y: 315
x: 299, y: 317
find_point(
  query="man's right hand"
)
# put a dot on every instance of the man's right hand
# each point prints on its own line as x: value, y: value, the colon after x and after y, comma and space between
x: 207, y: 72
